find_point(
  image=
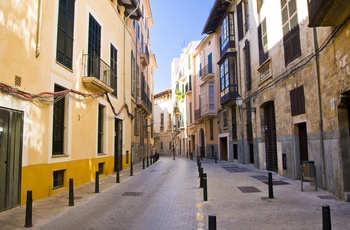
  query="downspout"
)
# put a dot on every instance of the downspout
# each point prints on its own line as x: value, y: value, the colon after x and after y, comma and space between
x: 39, y: 27
x: 320, y: 122
x: 124, y: 73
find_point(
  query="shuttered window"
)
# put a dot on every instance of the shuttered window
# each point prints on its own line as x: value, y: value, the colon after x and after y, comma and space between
x: 262, y: 37
x: 248, y: 74
x: 58, y: 123
x: 297, y: 101
x: 291, y: 36
x: 114, y: 65
x: 65, y: 33
x: 240, y: 21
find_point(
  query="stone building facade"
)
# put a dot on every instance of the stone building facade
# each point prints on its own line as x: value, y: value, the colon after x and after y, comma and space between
x: 288, y: 62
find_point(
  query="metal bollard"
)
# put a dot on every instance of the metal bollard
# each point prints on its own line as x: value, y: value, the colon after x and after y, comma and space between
x: 201, y: 177
x: 147, y: 162
x: 326, y: 218
x: 212, y: 222
x: 71, y: 192
x: 131, y: 166
x: 199, y: 165
x: 205, y: 189
x: 97, y: 182
x: 143, y: 163
x: 270, y: 185
x: 28, y: 221
x: 117, y: 176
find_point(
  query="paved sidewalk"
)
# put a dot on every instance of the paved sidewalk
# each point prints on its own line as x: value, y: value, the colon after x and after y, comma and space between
x: 238, y: 197
x: 52, y: 206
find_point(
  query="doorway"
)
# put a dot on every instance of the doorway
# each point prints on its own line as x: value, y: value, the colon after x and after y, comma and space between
x: 11, y: 133
x: 304, y: 156
x: 118, y: 144
x: 270, y: 137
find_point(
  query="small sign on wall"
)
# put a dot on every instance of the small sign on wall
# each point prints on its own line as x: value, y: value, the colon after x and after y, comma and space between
x: 332, y: 106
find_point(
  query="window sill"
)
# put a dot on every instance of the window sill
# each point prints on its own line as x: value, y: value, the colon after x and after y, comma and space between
x: 101, y: 154
x: 59, y: 155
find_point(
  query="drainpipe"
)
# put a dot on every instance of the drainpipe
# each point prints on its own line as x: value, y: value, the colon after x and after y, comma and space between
x: 319, y: 100
x: 39, y: 26
x: 124, y: 47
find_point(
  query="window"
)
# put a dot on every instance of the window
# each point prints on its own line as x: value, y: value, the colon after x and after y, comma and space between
x: 291, y: 37
x: 65, y: 32
x: 297, y: 101
x: 114, y: 65
x: 133, y: 75
x: 240, y: 21
x: 262, y: 37
x: 224, y: 118
x: 211, y: 95
x: 224, y: 75
x: 248, y: 75
x: 100, y: 134
x: 136, y: 122
x: 190, y: 105
x: 227, y: 33
x: 162, y: 122
x: 169, y: 121
x: 101, y: 168
x: 234, y: 122
x: 94, y: 47
x: 58, y: 123
x: 58, y: 179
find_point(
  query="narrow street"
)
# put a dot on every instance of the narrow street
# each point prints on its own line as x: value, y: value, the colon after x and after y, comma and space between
x: 162, y: 197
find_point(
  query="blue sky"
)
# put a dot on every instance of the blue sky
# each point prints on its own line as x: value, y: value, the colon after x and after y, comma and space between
x: 176, y: 24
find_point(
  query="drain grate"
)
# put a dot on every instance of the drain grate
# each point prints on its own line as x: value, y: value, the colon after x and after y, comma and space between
x: 248, y: 189
x: 132, y: 194
x: 276, y: 182
x: 234, y: 169
x: 327, y: 197
x: 261, y: 178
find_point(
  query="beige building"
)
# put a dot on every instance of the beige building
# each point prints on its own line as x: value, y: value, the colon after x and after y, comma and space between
x: 66, y: 93
x: 143, y: 66
x: 204, y: 100
x: 163, y: 122
x: 283, y: 70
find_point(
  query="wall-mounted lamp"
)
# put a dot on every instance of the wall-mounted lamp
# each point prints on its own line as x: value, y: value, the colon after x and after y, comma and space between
x: 239, y: 102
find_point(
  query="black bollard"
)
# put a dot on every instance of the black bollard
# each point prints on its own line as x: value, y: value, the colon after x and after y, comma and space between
x: 143, y: 163
x: 131, y: 166
x: 201, y: 177
x: 326, y: 217
x: 97, y: 182
x: 216, y: 158
x: 270, y: 185
x: 117, y: 176
x: 199, y: 165
x: 29, y: 208
x: 205, y: 189
x: 71, y: 192
x: 147, y: 162
x: 212, y: 222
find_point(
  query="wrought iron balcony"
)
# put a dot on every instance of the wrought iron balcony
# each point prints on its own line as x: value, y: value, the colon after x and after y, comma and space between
x: 188, y: 88
x: 144, y: 55
x: 96, y: 74
x: 144, y: 103
x: 198, y: 115
x: 206, y: 73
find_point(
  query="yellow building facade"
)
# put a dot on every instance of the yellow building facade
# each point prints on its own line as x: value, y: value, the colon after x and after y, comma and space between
x: 65, y: 101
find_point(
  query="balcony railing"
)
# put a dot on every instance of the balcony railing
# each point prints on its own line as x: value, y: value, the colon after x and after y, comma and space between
x: 197, y: 114
x: 206, y: 72
x: 144, y: 55
x: 147, y: 101
x: 188, y: 88
x: 96, y: 73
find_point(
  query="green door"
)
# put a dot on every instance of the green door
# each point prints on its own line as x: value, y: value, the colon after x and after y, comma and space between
x: 11, y: 128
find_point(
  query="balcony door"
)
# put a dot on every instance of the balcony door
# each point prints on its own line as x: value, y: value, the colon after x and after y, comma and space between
x: 94, y: 48
x: 11, y: 132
